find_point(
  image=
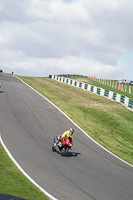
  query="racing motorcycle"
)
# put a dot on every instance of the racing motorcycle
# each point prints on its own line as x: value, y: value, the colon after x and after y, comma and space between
x: 66, y: 144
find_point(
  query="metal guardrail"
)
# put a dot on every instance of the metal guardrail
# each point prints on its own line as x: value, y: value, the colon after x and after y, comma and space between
x: 68, y: 75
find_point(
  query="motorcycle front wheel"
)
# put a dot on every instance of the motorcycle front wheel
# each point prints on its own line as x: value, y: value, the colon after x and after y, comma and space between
x: 64, y: 150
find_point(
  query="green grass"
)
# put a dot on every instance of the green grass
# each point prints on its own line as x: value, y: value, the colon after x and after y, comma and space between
x: 13, y: 182
x: 108, y: 122
x: 101, y: 85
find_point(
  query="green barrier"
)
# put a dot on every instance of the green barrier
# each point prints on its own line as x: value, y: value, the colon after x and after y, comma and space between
x: 130, y: 103
x: 114, y: 96
x: 92, y: 88
x: 86, y: 86
x: 106, y: 93
x: 98, y: 91
x: 122, y: 99
x: 80, y: 85
x: 75, y: 84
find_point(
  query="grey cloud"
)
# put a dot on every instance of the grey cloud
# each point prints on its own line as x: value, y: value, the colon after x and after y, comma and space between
x: 14, y: 11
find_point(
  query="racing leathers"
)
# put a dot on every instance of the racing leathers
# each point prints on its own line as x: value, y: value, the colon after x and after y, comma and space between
x: 66, y: 134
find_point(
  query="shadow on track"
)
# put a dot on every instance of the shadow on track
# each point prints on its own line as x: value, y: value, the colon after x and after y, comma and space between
x: 72, y: 154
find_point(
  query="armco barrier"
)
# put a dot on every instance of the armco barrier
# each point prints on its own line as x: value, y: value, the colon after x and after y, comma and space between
x: 130, y: 104
x: 99, y: 91
x: 122, y: 99
x: 106, y: 93
x: 92, y: 88
x: 86, y: 86
x: 114, y: 96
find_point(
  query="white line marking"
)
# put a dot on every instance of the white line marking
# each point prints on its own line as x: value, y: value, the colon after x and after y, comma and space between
x: 20, y: 168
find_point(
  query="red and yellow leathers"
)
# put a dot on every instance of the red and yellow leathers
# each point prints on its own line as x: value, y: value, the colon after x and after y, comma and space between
x: 66, y: 134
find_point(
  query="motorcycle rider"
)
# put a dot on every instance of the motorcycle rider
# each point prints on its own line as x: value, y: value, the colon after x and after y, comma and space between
x: 66, y: 134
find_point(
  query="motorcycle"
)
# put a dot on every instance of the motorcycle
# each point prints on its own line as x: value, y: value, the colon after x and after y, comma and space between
x: 66, y: 144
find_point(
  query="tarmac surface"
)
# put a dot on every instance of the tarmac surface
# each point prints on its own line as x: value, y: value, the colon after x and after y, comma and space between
x: 28, y: 124
x: 9, y: 197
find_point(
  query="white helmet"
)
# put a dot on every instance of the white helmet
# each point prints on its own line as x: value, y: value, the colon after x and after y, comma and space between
x: 71, y: 131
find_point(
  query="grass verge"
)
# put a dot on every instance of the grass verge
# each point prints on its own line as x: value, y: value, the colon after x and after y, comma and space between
x: 108, y: 122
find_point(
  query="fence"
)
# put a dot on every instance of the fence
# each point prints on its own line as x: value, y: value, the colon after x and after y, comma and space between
x: 99, y: 91
x: 114, y: 84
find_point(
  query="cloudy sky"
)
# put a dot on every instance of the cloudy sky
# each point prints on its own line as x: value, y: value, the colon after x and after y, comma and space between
x: 88, y: 37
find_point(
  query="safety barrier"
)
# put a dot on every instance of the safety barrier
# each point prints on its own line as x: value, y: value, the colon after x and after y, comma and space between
x: 99, y: 91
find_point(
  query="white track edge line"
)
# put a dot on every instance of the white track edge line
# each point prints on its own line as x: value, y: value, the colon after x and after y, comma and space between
x: 77, y: 125
x: 20, y: 168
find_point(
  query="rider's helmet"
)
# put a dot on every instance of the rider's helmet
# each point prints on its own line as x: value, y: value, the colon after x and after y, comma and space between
x: 71, y: 131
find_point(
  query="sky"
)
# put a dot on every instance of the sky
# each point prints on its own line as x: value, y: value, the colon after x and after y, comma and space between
x: 86, y: 37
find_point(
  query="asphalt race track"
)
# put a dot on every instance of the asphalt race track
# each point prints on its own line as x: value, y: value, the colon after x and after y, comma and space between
x: 28, y: 124
x: 9, y: 197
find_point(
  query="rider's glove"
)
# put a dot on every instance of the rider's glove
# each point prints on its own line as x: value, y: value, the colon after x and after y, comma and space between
x: 64, y: 138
